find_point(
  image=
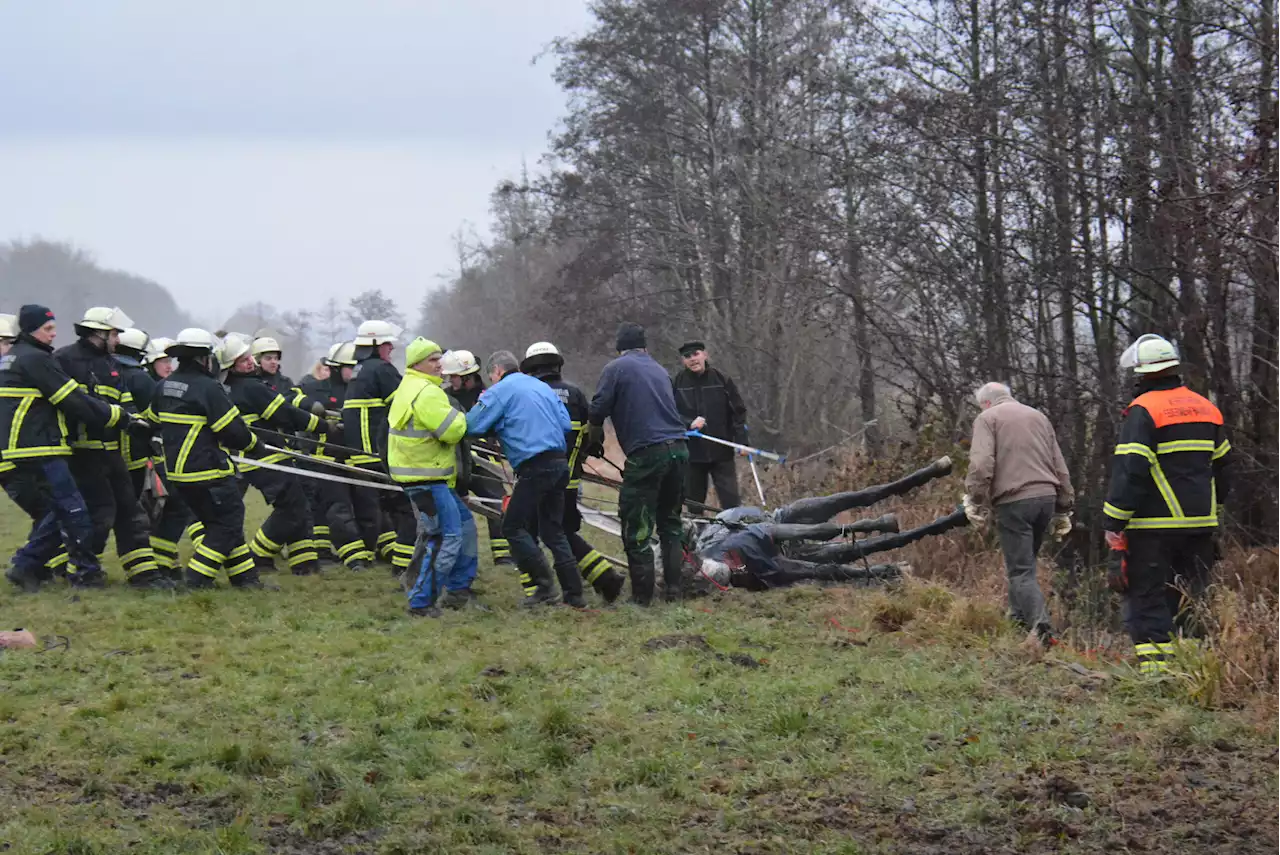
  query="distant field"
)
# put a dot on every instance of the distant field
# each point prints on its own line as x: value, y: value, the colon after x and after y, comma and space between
x: 321, y: 719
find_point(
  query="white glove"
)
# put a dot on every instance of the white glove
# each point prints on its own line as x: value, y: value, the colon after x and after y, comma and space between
x: 1060, y: 526
x: 698, y: 424
x: 977, y: 516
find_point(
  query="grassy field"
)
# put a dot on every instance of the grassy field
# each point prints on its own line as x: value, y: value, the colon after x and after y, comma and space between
x: 321, y: 719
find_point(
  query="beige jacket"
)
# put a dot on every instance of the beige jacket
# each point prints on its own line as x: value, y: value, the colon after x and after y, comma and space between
x: 1015, y: 455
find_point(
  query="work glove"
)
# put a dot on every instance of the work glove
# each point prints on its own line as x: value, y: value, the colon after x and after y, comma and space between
x: 1060, y: 526
x: 698, y: 424
x: 977, y: 516
x: 595, y: 441
x: 1118, y: 561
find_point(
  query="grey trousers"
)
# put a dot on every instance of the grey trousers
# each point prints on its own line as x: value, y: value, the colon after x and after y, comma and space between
x: 1022, y: 526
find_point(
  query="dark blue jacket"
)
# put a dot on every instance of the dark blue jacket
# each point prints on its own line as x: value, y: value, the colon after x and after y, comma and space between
x: 635, y: 391
x: 526, y: 415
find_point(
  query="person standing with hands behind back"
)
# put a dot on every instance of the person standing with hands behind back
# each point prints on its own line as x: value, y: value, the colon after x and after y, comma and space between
x: 709, y: 402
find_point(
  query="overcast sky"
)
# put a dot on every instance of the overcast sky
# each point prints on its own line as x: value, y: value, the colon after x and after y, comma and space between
x: 288, y: 151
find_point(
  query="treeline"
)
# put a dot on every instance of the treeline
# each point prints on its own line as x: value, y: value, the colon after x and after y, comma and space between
x: 870, y: 210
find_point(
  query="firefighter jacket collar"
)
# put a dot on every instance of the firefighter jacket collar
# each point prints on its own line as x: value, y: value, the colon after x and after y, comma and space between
x: 35, y: 342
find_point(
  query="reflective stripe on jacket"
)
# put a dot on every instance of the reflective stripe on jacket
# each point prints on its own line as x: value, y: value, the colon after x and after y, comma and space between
x: 1170, y: 460
x: 37, y: 399
x: 423, y: 428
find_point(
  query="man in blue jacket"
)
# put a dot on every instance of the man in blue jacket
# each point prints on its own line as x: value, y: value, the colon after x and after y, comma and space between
x: 635, y: 392
x: 531, y: 422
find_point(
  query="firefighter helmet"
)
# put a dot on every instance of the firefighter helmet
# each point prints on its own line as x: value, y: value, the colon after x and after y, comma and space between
x: 134, y: 341
x: 234, y: 345
x: 541, y: 353
x: 341, y: 353
x: 459, y: 363
x: 156, y: 348
x: 265, y: 344
x: 373, y: 333
x: 103, y: 319
x: 1149, y: 354
x: 8, y: 326
x: 192, y: 341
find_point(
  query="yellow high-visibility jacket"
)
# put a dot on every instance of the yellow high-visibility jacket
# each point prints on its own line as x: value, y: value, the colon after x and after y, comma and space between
x: 423, y: 429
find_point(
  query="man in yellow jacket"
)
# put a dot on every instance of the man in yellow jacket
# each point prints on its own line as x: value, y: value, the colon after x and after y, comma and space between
x: 423, y: 430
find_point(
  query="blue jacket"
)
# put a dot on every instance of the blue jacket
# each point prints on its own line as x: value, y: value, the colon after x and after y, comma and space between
x: 635, y: 391
x: 525, y: 413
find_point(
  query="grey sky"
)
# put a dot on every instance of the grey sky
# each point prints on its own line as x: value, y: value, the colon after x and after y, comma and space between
x: 286, y: 151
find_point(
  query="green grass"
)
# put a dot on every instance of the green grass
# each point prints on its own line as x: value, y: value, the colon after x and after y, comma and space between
x: 322, y: 719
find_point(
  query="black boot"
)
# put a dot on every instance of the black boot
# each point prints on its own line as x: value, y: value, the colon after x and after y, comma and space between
x: 197, y: 581
x: 26, y: 580
x: 153, y: 580
x: 92, y: 579
x: 610, y: 584
x: 641, y: 570
x: 307, y: 568
x: 250, y: 581
x: 571, y: 586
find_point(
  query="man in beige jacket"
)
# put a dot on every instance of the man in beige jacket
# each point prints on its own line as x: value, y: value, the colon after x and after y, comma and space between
x: 1016, y: 467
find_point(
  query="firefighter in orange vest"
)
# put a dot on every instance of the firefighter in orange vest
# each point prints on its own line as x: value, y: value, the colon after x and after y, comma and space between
x: 1168, y: 480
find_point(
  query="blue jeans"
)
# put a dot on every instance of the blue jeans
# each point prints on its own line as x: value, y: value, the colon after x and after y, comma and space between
x: 450, y: 551
x: 66, y: 522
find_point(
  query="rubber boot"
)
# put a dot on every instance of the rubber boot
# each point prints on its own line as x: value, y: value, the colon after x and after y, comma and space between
x: 307, y: 568
x: 153, y: 580
x: 26, y: 580
x: 641, y: 571
x: 198, y: 581
x: 92, y: 579
x: 609, y: 585
x: 672, y: 575
x: 250, y: 581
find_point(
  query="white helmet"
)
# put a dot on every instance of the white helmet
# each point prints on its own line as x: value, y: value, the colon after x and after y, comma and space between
x: 341, y: 353
x: 156, y: 350
x: 234, y: 345
x: 192, y: 339
x: 541, y: 353
x: 716, y: 571
x: 8, y: 326
x: 134, y: 339
x: 373, y: 333
x: 459, y: 363
x: 266, y: 344
x: 104, y: 319
x: 1149, y: 354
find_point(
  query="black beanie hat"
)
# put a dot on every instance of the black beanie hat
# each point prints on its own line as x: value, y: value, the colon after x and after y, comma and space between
x: 630, y: 336
x: 32, y: 317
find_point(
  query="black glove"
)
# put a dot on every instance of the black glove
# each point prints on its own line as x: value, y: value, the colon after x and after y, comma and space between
x: 595, y: 441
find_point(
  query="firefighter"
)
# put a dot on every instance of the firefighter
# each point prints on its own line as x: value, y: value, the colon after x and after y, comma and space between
x: 424, y: 429
x: 331, y: 507
x: 175, y: 518
x: 1168, y: 479
x: 289, y: 523
x: 8, y: 332
x: 37, y: 401
x: 96, y: 461
x: 197, y: 421
x: 374, y: 380
x: 543, y: 360
x: 460, y: 369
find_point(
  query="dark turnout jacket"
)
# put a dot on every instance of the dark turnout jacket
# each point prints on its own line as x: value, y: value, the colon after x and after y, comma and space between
x: 260, y: 404
x: 364, y: 412
x: 197, y: 418
x: 1170, y: 464
x: 712, y: 395
x: 38, y: 400
x: 98, y: 375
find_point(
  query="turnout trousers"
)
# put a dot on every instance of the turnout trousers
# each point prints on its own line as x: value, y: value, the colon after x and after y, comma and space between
x: 649, y: 503
x: 595, y: 569
x: 218, y: 505
x: 103, y: 478
x: 288, y: 524
x: 332, y: 511
x: 175, y: 520
x: 1168, y: 573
